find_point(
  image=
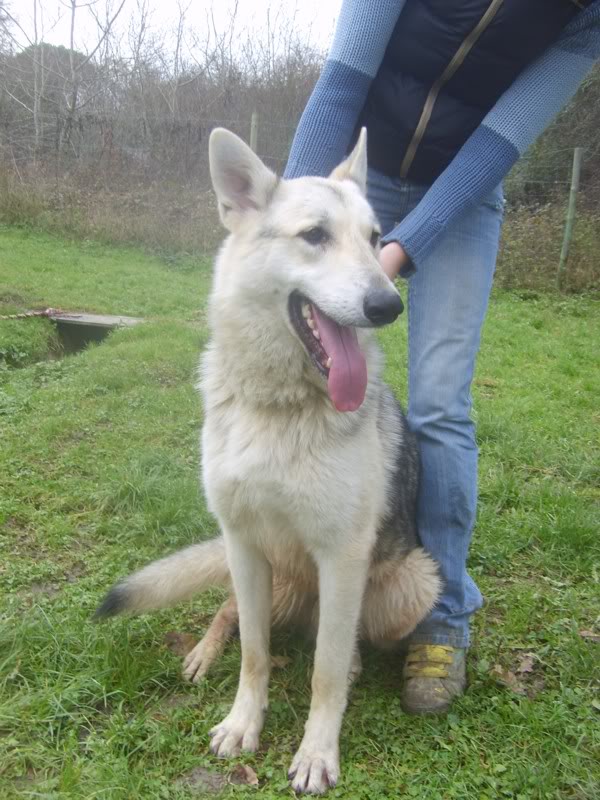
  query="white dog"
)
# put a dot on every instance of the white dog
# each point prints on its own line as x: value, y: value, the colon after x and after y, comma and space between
x: 316, y: 506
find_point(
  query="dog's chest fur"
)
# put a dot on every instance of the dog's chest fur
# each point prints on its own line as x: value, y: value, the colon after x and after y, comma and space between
x: 301, y: 481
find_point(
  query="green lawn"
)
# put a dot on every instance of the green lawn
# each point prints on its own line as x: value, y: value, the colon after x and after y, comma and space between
x: 98, y: 475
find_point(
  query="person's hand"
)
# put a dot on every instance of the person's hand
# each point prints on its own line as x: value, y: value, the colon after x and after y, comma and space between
x: 392, y: 258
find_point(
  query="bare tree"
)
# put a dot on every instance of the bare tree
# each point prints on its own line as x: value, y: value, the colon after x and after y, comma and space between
x: 38, y: 75
x: 77, y: 65
x: 4, y: 28
x: 142, y: 101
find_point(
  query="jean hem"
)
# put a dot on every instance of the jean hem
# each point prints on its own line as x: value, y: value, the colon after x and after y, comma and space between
x: 451, y: 639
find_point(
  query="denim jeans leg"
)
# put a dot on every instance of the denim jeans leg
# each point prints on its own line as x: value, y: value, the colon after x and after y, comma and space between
x: 448, y: 297
x: 392, y: 199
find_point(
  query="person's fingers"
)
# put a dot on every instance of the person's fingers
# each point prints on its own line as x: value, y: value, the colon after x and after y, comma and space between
x: 392, y: 258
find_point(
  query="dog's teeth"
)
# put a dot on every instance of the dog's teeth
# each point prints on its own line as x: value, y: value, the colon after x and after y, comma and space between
x: 306, y: 311
x: 329, y: 362
x: 311, y: 323
x: 316, y: 334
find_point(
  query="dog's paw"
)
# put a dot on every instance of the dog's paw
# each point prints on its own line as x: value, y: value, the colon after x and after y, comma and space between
x: 235, y: 734
x: 314, y: 771
x: 197, y: 662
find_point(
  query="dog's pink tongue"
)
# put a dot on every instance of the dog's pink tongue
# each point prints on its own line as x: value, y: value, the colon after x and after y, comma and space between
x: 347, y: 381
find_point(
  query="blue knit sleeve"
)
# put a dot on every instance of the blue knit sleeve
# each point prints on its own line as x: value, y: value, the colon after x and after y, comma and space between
x: 362, y: 34
x: 514, y: 123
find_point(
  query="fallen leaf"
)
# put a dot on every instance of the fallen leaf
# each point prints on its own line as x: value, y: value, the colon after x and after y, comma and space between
x: 508, y: 678
x: 180, y: 643
x: 596, y: 704
x: 280, y: 662
x: 243, y: 774
x: 205, y: 780
x: 536, y: 686
x: 526, y: 663
x: 590, y: 636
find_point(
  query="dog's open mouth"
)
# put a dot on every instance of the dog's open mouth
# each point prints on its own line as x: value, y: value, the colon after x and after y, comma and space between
x: 334, y: 351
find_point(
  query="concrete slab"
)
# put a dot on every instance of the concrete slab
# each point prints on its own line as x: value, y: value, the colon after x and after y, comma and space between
x: 76, y: 331
x: 94, y: 320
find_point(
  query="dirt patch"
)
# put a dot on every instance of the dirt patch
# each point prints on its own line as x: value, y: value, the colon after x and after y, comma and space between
x: 12, y: 299
x: 78, y: 570
x: 95, y: 724
x: 174, y: 702
x: 23, y: 539
x: 40, y: 589
x: 26, y: 780
x: 204, y: 781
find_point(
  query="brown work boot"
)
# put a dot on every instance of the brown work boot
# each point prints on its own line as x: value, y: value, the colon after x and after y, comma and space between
x: 434, y: 674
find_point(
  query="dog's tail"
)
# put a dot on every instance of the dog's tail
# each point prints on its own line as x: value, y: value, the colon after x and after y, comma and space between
x: 169, y: 581
x: 399, y: 595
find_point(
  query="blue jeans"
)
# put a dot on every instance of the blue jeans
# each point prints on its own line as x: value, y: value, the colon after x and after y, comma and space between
x: 447, y: 302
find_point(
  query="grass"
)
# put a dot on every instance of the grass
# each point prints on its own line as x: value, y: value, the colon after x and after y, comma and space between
x: 98, y: 466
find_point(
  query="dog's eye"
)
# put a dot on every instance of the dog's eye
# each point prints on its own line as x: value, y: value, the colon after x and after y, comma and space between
x: 315, y: 236
x: 375, y: 237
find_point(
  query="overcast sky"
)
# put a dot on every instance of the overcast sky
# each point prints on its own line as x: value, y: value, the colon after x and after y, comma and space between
x: 314, y: 19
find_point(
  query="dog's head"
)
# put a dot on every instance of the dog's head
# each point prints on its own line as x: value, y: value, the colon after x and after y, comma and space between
x: 305, y: 250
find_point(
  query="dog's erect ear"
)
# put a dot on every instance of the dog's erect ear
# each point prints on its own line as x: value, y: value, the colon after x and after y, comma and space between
x: 354, y: 168
x: 241, y: 181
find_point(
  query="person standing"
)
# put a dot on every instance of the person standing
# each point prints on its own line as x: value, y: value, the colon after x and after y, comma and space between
x: 452, y: 94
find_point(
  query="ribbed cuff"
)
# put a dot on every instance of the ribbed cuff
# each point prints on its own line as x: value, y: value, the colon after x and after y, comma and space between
x: 453, y: 639
x: 416, y: 234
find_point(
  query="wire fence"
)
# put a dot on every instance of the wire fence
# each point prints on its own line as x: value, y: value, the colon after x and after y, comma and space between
x: 142, y: 146
x: 175, y: 147
x: 145, y: 178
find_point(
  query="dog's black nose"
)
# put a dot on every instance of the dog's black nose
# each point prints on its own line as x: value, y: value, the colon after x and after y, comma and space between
x: 382, y: 306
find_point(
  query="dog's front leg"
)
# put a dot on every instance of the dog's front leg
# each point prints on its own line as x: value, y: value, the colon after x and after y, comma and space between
x: 252, y: 581
x: 341, y: 584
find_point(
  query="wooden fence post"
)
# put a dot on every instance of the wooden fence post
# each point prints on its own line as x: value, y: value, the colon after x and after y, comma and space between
x: 564, y: 253
x: 254, y: 130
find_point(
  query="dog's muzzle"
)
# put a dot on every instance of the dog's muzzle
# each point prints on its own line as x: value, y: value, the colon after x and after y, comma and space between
x: 382, y: 306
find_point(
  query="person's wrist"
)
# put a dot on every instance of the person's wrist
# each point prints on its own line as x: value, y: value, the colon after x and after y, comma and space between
x: 392, y: 258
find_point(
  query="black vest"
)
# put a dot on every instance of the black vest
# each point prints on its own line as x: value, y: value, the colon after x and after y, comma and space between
x: 446, y: 65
